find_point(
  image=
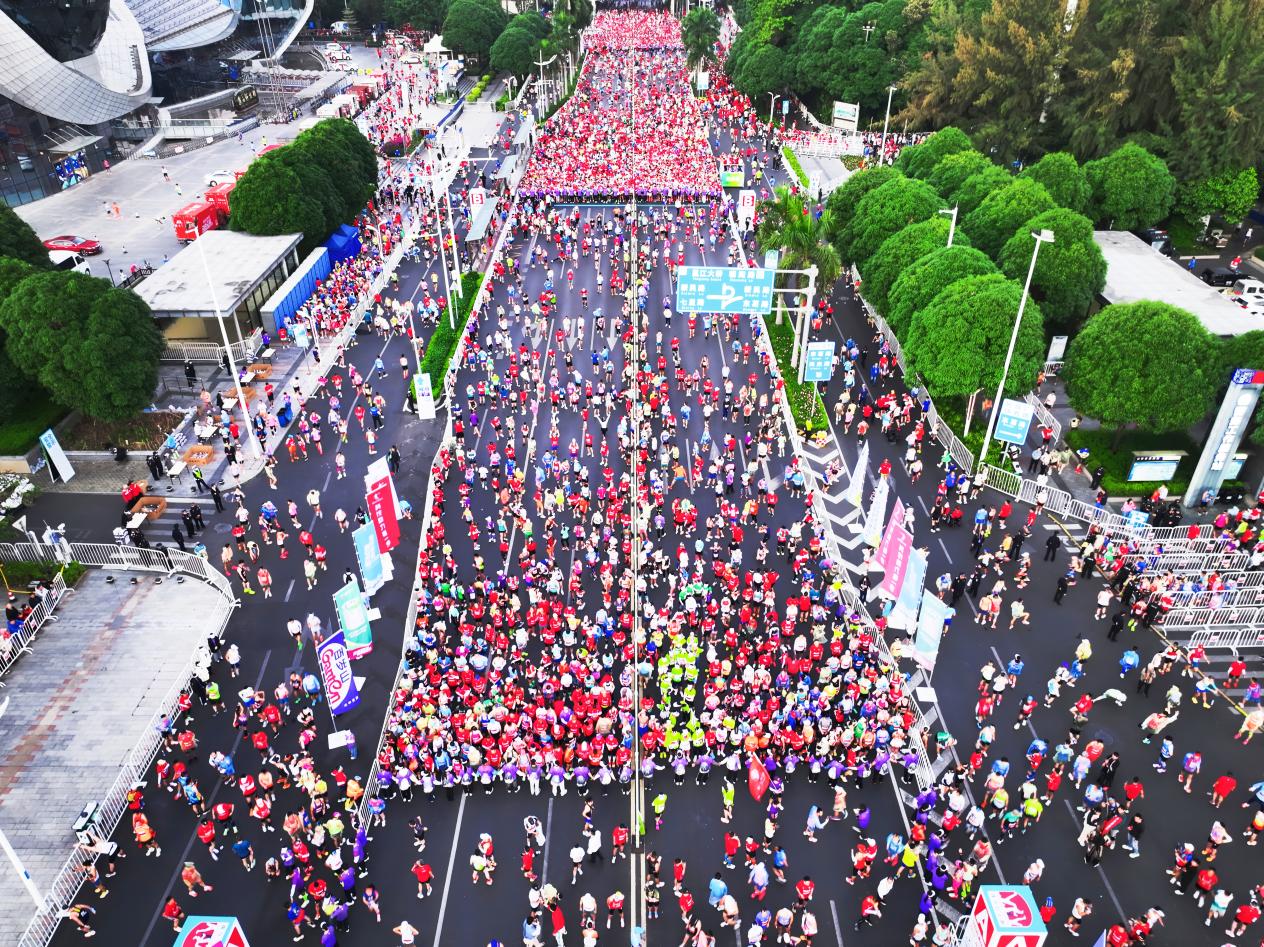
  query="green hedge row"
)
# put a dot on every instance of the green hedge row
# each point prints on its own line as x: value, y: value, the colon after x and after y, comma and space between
x: 443, y: 341
x: 479, y: 88
x: 805, y: 401
x: 792, y: 162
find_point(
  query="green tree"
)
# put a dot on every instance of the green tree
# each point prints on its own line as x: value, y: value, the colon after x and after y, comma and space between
x: 1005, y: 70
x: 93, y: 347
x: 1063, y: 178
x: 340, y: 165
x: 1005, y: 212
x: 897, y: 253
x: 1117, y: 81
x: 920, y: 161
x: 958, y: 342
x: 980, y: 185
x: 1241, y: 351
x: 1132, y: 188
x: 884, y: 211
x: 700, y: 31
x: 345, y: 132
x: 514, y: 52
x: 427, y: 15
x: 532, y: 22
x: 924, y: 279
x: 843, y: 200
x: 1218, y: 79
x: 1231, y: 194
x: 955, y: 169
x: 269, y: 200
x: 787, y: 225
x: 18, y: 240
x: 472, y: 26
x: 1070, y: 272
x: 15, y: 389
x: 1144, y: 364
x: 765, y: 69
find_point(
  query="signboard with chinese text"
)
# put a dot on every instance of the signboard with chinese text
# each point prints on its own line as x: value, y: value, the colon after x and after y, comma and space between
x: 1014, y: 421
x: 739, y: 289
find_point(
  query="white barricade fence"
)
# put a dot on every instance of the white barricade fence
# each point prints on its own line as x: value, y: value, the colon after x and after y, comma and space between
x: 20, y: 643
x: 1249, y: 618
x: 1235, y: 639
x: 1044, y: 416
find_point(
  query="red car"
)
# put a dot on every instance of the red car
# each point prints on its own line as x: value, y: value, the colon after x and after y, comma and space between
x: 82, y: 245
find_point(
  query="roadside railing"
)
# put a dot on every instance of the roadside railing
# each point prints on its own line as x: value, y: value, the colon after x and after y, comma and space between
x: 1249, y: 618
x: 243, y: 351
x: 60, y: 893
x: 1235, y: 639
x: 20, y: 643
x: 1044, y: 416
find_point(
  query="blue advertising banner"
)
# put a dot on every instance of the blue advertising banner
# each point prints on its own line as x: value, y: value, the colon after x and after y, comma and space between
x: 930, y: 628
x: 910, y: 597
x: 353, y: 616
x: 741, y: 289
x: 335, y: 672
x: 369, y: 557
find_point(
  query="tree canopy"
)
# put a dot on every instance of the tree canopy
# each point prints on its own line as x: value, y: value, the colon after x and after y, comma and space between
x: 514, y: 51
x: 884, y: 211
x: 786, y: 225
x: 1132, y: 188
x: 427, y: 15
x: 472, y: 26
x: 313, y: 186
x: 897, y: 253
x: 843, y: 200
x: 955, y: 169
x: 958, y: 342
x: 1231, y: 194
x: 1063, y: 178
x: 1004, y: 212
x: 978, y: 186
x: 922, y: 281
x: 920, y: 161
x: 1070, y: 272
x: 18, y: 240
x: 92, y: 346
x: 699, y: 31
x: 1148, y: 364
x: 14, y: 387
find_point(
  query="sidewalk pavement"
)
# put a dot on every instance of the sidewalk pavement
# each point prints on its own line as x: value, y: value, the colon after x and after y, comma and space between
x: 74, y: 708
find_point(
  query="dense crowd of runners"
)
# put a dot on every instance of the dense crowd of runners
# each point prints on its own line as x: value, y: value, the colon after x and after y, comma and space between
x: 585, y: 434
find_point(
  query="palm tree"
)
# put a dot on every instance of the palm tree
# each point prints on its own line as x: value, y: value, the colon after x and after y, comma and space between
x: 788, y: 224
x: 700, y: 31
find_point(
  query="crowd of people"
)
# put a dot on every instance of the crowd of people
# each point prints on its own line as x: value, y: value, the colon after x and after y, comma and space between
x: 632, y: 126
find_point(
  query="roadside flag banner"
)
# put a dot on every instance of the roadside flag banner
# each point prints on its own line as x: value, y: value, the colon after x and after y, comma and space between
x: 335, y: 673
x: 757, y: 779
x: 855, y: 494
x: 353, y: 617
x: 872, y: 534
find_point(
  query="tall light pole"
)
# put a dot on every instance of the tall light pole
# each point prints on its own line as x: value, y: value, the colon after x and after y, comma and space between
x: 256, y: 447
x: 952, y: 226
x: 1045, y: 236
x: 541, y: 63
x: 882, y: 153
x: 772, y: 101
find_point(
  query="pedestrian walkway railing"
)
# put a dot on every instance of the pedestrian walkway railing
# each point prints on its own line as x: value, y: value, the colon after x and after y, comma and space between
x: 60, y: 892
x: 1188, y: 563
x: 1044, y: 416
x: 1240, y: 597
x: 243, y: 351
x: 1193, y: 618
x: 1054, y: 500
x: 1234, y: 639
x: 20, y: 643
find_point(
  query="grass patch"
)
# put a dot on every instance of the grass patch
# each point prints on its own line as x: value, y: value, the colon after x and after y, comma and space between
x: 1119, y: 462
x: 792, y: 162
x: 20, y: 432
x: 805, y: 401
x: 146, y: 431
x: 1184, y: 236
x: 443, y: 341
x: 20, y: 576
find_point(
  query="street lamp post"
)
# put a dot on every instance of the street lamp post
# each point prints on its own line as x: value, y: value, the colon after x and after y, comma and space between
x: 882, y: 153
x: 541, y: 63
x: 1044, y: 236
x: 952, y: 227
x: 772, y: 101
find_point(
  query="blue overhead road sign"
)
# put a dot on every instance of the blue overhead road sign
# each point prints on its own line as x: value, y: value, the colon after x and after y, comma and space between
x: 724, y: 289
